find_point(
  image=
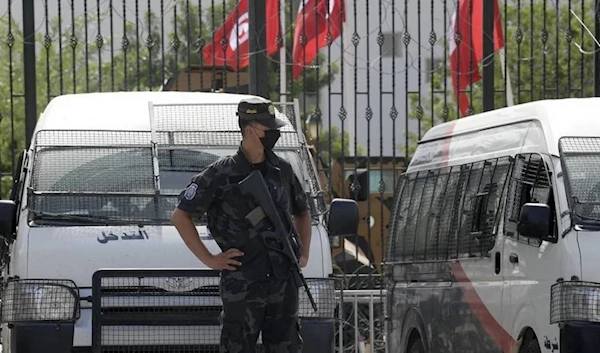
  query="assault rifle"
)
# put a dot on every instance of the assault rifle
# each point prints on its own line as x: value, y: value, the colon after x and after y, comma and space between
x: 255, y: 186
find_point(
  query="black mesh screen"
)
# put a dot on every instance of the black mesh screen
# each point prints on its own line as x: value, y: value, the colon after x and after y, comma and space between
x: 581, y: 162
x: 449, y: 212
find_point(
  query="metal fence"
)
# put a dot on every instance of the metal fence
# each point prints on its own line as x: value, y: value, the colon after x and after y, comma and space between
x: 361, y: 321
x: 366, y: 99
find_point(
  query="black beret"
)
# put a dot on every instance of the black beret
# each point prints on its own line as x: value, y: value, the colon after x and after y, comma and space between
x: 260, y: 110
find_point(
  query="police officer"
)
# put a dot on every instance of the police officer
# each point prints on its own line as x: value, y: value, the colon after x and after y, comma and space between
x: 256, y: 285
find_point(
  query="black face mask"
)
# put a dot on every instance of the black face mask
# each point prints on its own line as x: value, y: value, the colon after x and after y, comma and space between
x: 270, y: 139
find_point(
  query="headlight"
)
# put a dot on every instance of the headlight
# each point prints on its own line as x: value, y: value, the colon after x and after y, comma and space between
x: 323, y: 293
x: 575, y: 301
x: 39, y: 300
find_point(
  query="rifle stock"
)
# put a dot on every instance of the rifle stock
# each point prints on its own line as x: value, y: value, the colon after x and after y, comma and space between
x: 255, y: 186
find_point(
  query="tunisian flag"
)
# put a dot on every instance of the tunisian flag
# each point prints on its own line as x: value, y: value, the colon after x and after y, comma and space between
x: 465, y: 57
x: 319, y: 21
x: 234, y: 35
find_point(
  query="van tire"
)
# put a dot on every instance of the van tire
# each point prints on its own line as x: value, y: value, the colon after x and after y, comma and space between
x: 531, y: 345
x: 416, y: 346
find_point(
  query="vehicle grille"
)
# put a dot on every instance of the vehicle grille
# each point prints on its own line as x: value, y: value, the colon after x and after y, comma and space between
x: 155, y: 311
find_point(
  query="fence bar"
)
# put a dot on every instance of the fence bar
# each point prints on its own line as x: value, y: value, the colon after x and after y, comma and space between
x: 371, y: 322
x: 488, y: 55
x: 596, y: 50
x: 258, y: 59
x: 29, y: 68
x: 355, y: 302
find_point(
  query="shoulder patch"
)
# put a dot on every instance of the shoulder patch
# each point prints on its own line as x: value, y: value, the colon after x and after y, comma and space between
x: 190, y: 191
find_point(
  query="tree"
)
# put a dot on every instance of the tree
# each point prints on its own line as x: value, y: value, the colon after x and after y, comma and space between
x: 334, y: 135
x: 542, y: 57
x: 11, y: 83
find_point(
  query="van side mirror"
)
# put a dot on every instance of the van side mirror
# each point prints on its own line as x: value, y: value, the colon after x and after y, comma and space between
x: 343, y: 218
x: 8, y: 218
x: 362, y: 179
x: 534, y: 221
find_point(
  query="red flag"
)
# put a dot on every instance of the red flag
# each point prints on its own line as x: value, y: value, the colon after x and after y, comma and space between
x: 233, y: 35
x: 465, y: 57
x: 318, y: 23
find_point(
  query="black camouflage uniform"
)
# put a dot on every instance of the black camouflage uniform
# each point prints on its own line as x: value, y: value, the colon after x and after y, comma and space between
x: 260, y: 295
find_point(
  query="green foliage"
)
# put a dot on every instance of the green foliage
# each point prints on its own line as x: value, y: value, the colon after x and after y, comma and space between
x: 11, y: 141
x: 335, y: 136
x: 538, y: 69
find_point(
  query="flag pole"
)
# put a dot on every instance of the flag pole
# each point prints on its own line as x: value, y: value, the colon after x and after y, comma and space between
x: 258, y: 60
x: 348, y: 95
x: 506, y: 75
x: 282, y: 55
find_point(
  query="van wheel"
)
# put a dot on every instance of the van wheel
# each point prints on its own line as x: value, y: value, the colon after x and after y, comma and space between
x: 416, y: 346
x: 530, y: 346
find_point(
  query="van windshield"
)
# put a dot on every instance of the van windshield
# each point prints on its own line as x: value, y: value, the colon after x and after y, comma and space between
x: 580, y: 158
x: 118, y: 183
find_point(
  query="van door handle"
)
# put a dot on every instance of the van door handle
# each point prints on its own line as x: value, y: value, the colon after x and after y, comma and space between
x: 514, y: 258
x: 497, y: 263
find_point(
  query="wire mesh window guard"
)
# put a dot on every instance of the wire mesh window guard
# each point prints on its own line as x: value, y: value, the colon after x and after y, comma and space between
x: 575, y: 301
x: 39, y: 300
x: 102, y: 176
x: 580, y: 157
x: 448, y: 213
x: 529, y: 183
x: 212, y: 124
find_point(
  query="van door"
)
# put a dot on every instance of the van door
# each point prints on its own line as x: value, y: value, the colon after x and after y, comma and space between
x: 530, y: 266
x: 477, y: 274
x: 444, y: 237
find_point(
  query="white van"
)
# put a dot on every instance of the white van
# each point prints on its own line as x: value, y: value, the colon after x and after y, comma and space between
x: 94, y: 263
x: 495, y: 235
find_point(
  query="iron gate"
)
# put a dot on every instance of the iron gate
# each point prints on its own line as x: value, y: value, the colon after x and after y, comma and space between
x: 366, y: 99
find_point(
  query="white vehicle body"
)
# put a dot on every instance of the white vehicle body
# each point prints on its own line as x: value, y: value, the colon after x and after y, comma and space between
x: 463, y: 276
x: 74, y: 252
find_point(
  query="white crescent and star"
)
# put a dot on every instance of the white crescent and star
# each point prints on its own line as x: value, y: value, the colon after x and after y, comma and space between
x: 240, y: 32
x: 331, y: 7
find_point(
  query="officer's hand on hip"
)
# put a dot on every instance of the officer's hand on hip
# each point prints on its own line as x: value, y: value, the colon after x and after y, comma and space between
x: 225, y: 260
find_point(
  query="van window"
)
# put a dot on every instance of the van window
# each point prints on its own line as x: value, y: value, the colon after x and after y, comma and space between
x: 448, y: 213
x: 529, y: 182
x: 118, y: 182
x: 580, y: 157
